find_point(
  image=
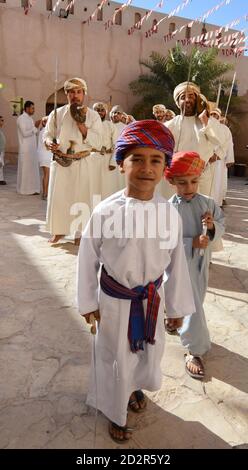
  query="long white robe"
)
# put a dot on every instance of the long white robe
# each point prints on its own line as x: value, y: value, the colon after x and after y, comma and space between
x: 2, y: 150
x: 44, y: 155
x: 191, y: 135
x: 229, y: 158
x: 28, y: 172
x: 131, y: 261
x: 121, y: 182
x: 71, y: 188
x: 194, y: 332
x: 109, y: 178
x: 220, y: 169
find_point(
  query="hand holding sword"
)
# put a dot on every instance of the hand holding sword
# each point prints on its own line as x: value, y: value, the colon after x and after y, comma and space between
x: 202, y: 241
x: 91, y: 318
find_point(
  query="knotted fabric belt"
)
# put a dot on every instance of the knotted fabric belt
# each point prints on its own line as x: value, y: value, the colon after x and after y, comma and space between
x: 139, y: 328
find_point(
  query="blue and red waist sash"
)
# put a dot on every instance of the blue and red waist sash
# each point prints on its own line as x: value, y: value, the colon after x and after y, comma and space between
x: 140, y: 329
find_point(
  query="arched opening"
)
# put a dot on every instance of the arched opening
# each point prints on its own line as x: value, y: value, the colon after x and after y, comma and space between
x: 172, y: 27
x: 118, y: 17
x: 49, y: 5
x: 188, y: 32
x: 61, y: 101
x: 137, y: 20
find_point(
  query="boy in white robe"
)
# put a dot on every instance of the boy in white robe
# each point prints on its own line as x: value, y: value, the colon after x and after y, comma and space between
x: 135, y: 259
x: 195, y: 210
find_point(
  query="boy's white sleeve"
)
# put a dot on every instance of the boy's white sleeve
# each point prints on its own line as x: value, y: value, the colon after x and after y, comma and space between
x: 87, y: 268
x: 179, y: 300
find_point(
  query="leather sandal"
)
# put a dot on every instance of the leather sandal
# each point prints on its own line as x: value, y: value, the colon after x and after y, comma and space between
x: 123, y: 429
x: 134, y: 403
x: 197, y: 361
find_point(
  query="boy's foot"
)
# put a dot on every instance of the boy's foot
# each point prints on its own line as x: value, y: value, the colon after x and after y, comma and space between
x: 137, y: 401
x: 55, y: 238
x: 119, y: 434
x: 170, y: 330
x: 194, y: 366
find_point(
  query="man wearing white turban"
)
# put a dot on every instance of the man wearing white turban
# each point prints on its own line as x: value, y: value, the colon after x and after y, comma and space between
x: 158, y: 112
x: 224, y: 153
x: 71, y: 185
x: 108, y: 171
x: 194, y: 130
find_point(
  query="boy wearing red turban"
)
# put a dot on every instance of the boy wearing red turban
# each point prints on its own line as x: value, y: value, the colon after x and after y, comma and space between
x: 134, y: 259
x: 195, y: 210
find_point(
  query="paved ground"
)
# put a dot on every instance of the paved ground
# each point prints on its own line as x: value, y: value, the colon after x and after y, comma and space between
x: 45, y: 345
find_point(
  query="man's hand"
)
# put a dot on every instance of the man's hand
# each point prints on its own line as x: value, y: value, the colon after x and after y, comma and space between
x: 229, y: 165
x: 96, y: 314
x: 51, y: 146
x: 174, y: 323
x: 214, y: 158
x: 208, y: 219
x: 204, y: 117
x: 201, y: 241
x: 83, y: 129
x: 37, y: 123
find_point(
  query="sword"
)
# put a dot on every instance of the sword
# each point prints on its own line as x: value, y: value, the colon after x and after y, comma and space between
x: 218, y: 96
x: 230, y: 94
x: 93, y: 331
x: 55, y: 101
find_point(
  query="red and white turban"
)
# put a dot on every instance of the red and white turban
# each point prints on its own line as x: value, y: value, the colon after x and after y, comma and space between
x: 185, y: 163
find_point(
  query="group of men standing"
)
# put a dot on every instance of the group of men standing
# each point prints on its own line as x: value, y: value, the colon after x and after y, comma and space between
x: 82, y: 142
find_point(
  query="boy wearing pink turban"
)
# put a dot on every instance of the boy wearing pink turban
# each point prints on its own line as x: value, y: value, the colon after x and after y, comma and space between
x: 138, y: 264
x: 195, y: 210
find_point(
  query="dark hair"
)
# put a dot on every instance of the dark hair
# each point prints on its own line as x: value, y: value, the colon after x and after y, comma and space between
x: 27, y: 104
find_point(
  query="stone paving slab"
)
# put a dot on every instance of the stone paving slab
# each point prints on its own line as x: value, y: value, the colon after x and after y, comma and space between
x: 45, y: 347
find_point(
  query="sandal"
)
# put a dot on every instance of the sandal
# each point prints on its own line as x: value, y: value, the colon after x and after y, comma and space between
x: 196, y: 361
x: 125, y: 430
x: 138, y: 401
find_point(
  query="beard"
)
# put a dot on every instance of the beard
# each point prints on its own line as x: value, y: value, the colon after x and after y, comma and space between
x: 189, y: 109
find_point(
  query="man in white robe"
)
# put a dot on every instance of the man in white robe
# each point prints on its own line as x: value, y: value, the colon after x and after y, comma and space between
x: 194, y: 131
x: 116, y: 118
x: 220, y: 173
x: 71, y: 188
x: 2, y: 150
x: 109, y: 171
x: 28, y: 171
x: 229, y: 162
